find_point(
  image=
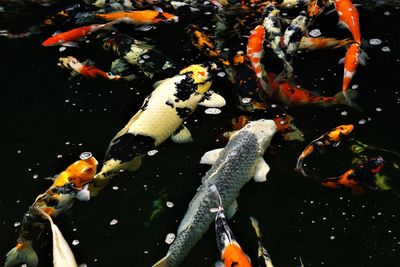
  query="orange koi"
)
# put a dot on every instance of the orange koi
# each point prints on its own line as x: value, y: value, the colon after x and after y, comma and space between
x: 359, y: 177
x: 331, y: 138
x: 204, y: 44
x: 348, y: 18
x: 73, y: 64
x: 354, y: 56
x: 294, y: 95
x: 73, y: 35
x: 139, y: 17
x: 310, y: 43
x: 315, y: 8
x: 255, y: 52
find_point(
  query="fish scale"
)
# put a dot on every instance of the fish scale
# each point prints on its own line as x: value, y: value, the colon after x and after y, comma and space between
x: 233, y: 169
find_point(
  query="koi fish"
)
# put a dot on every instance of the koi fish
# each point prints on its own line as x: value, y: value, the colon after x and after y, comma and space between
x: 331, y: 138
x: 293, y: 35
x: 69, y: 185
x: 264, y: 259
x: 88, y: 71
x: 359, y: 177
x: 354, y: 56
x: 231, y: 252
x: 311, y: 43
x: 232, y: 167
x: 150, y: 60
x: 294, y: 95
x: 204, y: 44
x: 289, y: 4
x: 348, y: 18
x: 272, y: 25
x: 315, y: 8
x: 139, y: 17
x: 161, y: 116
x: 67, y: 37
x: 255, y: 53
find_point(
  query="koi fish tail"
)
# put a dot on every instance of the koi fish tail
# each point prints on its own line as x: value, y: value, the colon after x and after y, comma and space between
x: 256, y: 226
x: 163, y: 262
x: 342, y: 43
x: 347, y: 98
x: 299, y: 165
x: 22, y: 254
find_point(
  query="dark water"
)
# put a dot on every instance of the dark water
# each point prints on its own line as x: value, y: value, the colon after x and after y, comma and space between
x: 48, y: 119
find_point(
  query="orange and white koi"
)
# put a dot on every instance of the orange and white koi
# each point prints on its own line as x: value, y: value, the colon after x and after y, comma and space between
x: 255, y: 52
x: 348, y: 18
x: 294, y: 95
x: 73, y: 35
x: 354, y: 57
x: 331, y: 138
x: 359, y: 177
x: 69, y: 185
x: 231, y: 252
x: 89, y: 71
x: 311, y: 43
x: 139, y: 17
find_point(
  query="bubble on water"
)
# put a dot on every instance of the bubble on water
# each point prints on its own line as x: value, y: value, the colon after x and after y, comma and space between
x: 146, y: 56
x: 141, y: 61
x: 246, y: 100
x: 62, y: 49
x: 315, y: 33
x: 115, y: 187
x: 169, y: 204
x: 273, y: 106
x: 213, y: 111
x: 332, y: 237
x: 114, y: 222
x: 226, y: 49
x: 24, y: 265
x: 75, y: 242
x: 354, y: 86
x: 16, y: 224
x: 379, y: 109
x: 343, y: 113
x: 59, y: 156
x: 169, y: 238
x: 386, y: 49
x: 375, y: 41
x: 85, y: 155
x: 35, y: 176
x: 239, y: 52
x: 362, y: 121
x: 386, y: 13
x: 152, y: 152
x: 221, y: 74
x: 282, y: 122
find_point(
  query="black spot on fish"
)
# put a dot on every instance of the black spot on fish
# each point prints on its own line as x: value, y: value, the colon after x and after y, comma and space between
x: 296, y: 35
x: 129, y: 146
x: 291, y: 90
x: 180, y: 128
x: 183, y: 112
x: 184, y: 88
x: 145, y: 103
x: 168, y: 103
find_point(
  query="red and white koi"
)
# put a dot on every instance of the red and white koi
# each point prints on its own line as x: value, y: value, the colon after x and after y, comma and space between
x: 348, y: 18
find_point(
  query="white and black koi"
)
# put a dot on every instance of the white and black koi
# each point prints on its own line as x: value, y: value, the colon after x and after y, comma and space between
x: 272, y: 25
x: 293, y: 35
x: 161, y: 116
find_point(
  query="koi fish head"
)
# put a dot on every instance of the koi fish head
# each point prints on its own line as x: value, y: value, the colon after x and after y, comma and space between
x: 82, y: 171
x: 264, y: 130
x: 233, y: 255
x: 69, y: 62
x: 201, y: 74
x: 345, y: 129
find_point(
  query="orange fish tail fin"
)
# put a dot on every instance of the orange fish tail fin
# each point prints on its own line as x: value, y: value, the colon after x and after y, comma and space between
x: 163, y: 262
x: 347, y: 98
x: 22, y: 254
